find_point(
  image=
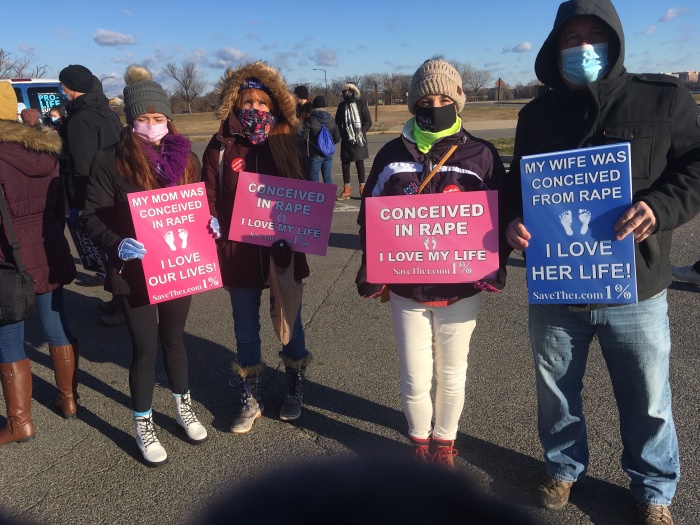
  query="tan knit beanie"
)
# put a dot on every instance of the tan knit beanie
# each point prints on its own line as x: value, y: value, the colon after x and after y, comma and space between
x: 436, y: 77
x: 8, y: 101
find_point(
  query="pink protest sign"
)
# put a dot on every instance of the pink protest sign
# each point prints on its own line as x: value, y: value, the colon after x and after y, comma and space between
x: 181, y: 257
x: 269, y: 208
x: 436, y: 238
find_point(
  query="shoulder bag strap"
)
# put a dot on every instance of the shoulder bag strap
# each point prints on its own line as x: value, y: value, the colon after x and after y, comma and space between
x: 436, y: 168
x: 10, y: 232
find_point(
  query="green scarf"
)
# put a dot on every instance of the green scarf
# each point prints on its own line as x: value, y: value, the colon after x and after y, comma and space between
x: 426, y: 139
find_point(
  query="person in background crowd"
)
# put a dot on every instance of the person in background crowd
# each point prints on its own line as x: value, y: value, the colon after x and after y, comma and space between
x: 89, y: 126
x: 258, y: 134
x: 150, y: 154
x: 433, y: 323
x: 688, y: 274
x: 302, y: 94
x: 55, y: 118
x: 318, y: 162
x: 20, y: 107
x: 353, y: 120
x: 30, y: 183
x: 30, y: 117
x: 594, y: 101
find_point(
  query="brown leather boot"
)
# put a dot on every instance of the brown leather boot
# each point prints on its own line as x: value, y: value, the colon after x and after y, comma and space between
x: 345, y: 194
x: 66, y: 374
x: 16, y: 381
x: 444, y: 453
x: 76, y: 357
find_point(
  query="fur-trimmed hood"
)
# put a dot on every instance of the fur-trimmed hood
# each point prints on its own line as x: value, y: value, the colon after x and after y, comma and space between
x: 352, y: 87
x: 229, y: 86
x: 30, y: 138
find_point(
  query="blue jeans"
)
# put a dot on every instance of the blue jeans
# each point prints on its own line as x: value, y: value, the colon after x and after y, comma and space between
x: 323, y: 164
x: 636, y: 343
x: 52, y: 316
x: 245, y: 303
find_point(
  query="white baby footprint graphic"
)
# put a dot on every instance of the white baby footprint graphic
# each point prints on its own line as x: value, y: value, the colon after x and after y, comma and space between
x: 170, y: 240
x: 566, y: 219
x: 585, y: 217
x: 182, y: 233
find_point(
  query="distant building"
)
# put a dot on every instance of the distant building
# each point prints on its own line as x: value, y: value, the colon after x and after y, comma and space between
x: 687, y: 76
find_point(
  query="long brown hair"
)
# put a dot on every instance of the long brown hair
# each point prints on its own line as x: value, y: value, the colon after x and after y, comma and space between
x: 133, y: 165
x: 282, y: 139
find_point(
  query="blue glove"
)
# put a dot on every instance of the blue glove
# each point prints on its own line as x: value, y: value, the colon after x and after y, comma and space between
x: 74, y: 212
x: 130, y: 249
x: 214, y: 227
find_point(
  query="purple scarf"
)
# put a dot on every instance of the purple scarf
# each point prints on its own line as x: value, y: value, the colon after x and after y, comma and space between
x: 169, y: 165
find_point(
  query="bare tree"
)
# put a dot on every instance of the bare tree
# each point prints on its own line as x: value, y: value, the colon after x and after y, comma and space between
x: 477, y: 79
x: 5, y: 64
x: 23, y: 66
x: 189, y: 85
x: 389, y: 85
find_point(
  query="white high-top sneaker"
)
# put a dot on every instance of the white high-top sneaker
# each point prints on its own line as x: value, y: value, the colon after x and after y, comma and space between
x: 154, y: 454
x: 184, y: 414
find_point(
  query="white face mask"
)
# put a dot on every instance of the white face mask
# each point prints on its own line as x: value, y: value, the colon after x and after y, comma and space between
x: 150, y: 133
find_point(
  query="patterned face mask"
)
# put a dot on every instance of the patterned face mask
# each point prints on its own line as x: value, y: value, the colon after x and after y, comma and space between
x: 256, y: 124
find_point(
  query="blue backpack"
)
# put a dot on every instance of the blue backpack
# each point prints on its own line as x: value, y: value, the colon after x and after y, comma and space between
x: 324, y: 143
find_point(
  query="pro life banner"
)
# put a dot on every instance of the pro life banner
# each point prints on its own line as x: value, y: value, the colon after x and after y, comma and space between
x: 90, y: 255
x: 270, y: 208
x: 433, y: 238
x: 571, y: 202
x: 181, y: 257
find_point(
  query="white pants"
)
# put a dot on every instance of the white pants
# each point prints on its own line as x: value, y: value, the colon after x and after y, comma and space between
x: 433, y: 333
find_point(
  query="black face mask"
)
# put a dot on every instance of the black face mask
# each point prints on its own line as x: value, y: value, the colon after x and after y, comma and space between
x: 435, y: 120
x: 349, y: 95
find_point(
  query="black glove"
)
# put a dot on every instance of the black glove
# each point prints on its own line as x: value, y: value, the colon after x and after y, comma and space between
x: 281, y: 253
x: 365, y: 289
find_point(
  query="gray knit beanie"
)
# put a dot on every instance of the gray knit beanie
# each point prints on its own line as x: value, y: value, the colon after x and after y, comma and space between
x: 142, y: 95
x: 436, y: 77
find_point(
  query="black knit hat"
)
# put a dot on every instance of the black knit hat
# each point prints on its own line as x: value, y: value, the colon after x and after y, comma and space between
x: 302, y: 92
x: 76, y: 78
x: 319, y: 102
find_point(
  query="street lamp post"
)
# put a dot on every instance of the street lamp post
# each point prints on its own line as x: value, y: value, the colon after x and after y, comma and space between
x: 325, y: 79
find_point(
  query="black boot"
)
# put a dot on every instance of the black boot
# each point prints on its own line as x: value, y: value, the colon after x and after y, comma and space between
x: 296, y: 373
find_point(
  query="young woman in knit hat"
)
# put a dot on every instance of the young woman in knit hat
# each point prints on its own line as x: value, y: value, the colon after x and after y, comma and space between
x: 258, y: 133
x: 433, y: 323
x: 29, y: 177
x: 150, y: 154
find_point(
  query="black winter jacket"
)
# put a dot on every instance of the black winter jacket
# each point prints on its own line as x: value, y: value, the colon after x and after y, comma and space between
x: 475, y: 165
x: 655, y: 113
x: 108, y: 221
x: 350, y: 152
x: 312, y: 127
x: 89, y: 127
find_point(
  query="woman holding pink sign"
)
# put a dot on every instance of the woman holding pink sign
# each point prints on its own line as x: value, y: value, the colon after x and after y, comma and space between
x: 150, y: 154
x: 433, y: 323
x: 257, y: 134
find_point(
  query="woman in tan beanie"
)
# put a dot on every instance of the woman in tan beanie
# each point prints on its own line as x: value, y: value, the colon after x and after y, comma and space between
x: 433, y: 323
x: 150, y: 154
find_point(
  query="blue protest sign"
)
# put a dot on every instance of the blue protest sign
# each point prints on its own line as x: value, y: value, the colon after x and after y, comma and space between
x: 571, y: 202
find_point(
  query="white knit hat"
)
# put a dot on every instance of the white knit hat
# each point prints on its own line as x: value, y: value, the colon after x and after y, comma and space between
x: 436, y: 77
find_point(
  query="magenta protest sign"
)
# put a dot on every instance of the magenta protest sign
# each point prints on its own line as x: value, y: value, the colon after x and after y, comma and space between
x: 435, y: 238
x: 181, y: 257
x: 270, y: 208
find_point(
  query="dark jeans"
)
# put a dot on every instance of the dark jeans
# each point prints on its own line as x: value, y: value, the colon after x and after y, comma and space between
x: 52, y: 316
x: 323, y: 164
x: 145, y: 324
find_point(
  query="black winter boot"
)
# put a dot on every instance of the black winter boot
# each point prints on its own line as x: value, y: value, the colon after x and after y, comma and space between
x: 296, y: 373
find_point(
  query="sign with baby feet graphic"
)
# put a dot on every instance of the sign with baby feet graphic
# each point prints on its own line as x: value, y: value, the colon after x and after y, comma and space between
x: 571, y: 202
x: 181, y: 257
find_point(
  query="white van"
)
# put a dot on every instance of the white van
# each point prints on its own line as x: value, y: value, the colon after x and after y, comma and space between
x: 38, y: 93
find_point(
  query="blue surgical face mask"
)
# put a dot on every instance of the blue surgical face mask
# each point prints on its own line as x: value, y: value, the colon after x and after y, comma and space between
x: 583, y: 64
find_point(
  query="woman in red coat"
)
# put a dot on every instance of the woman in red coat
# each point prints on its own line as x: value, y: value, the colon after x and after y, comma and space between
x: 30, y: 184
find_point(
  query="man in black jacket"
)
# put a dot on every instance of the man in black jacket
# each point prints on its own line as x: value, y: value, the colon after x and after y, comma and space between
x: 90, y: 125
x: 593, y: 101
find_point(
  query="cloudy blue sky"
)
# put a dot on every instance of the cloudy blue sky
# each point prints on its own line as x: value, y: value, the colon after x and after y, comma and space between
x: 346, y: 38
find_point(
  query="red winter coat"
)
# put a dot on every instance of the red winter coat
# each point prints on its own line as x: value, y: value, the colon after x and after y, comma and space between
x: 34, y: 195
